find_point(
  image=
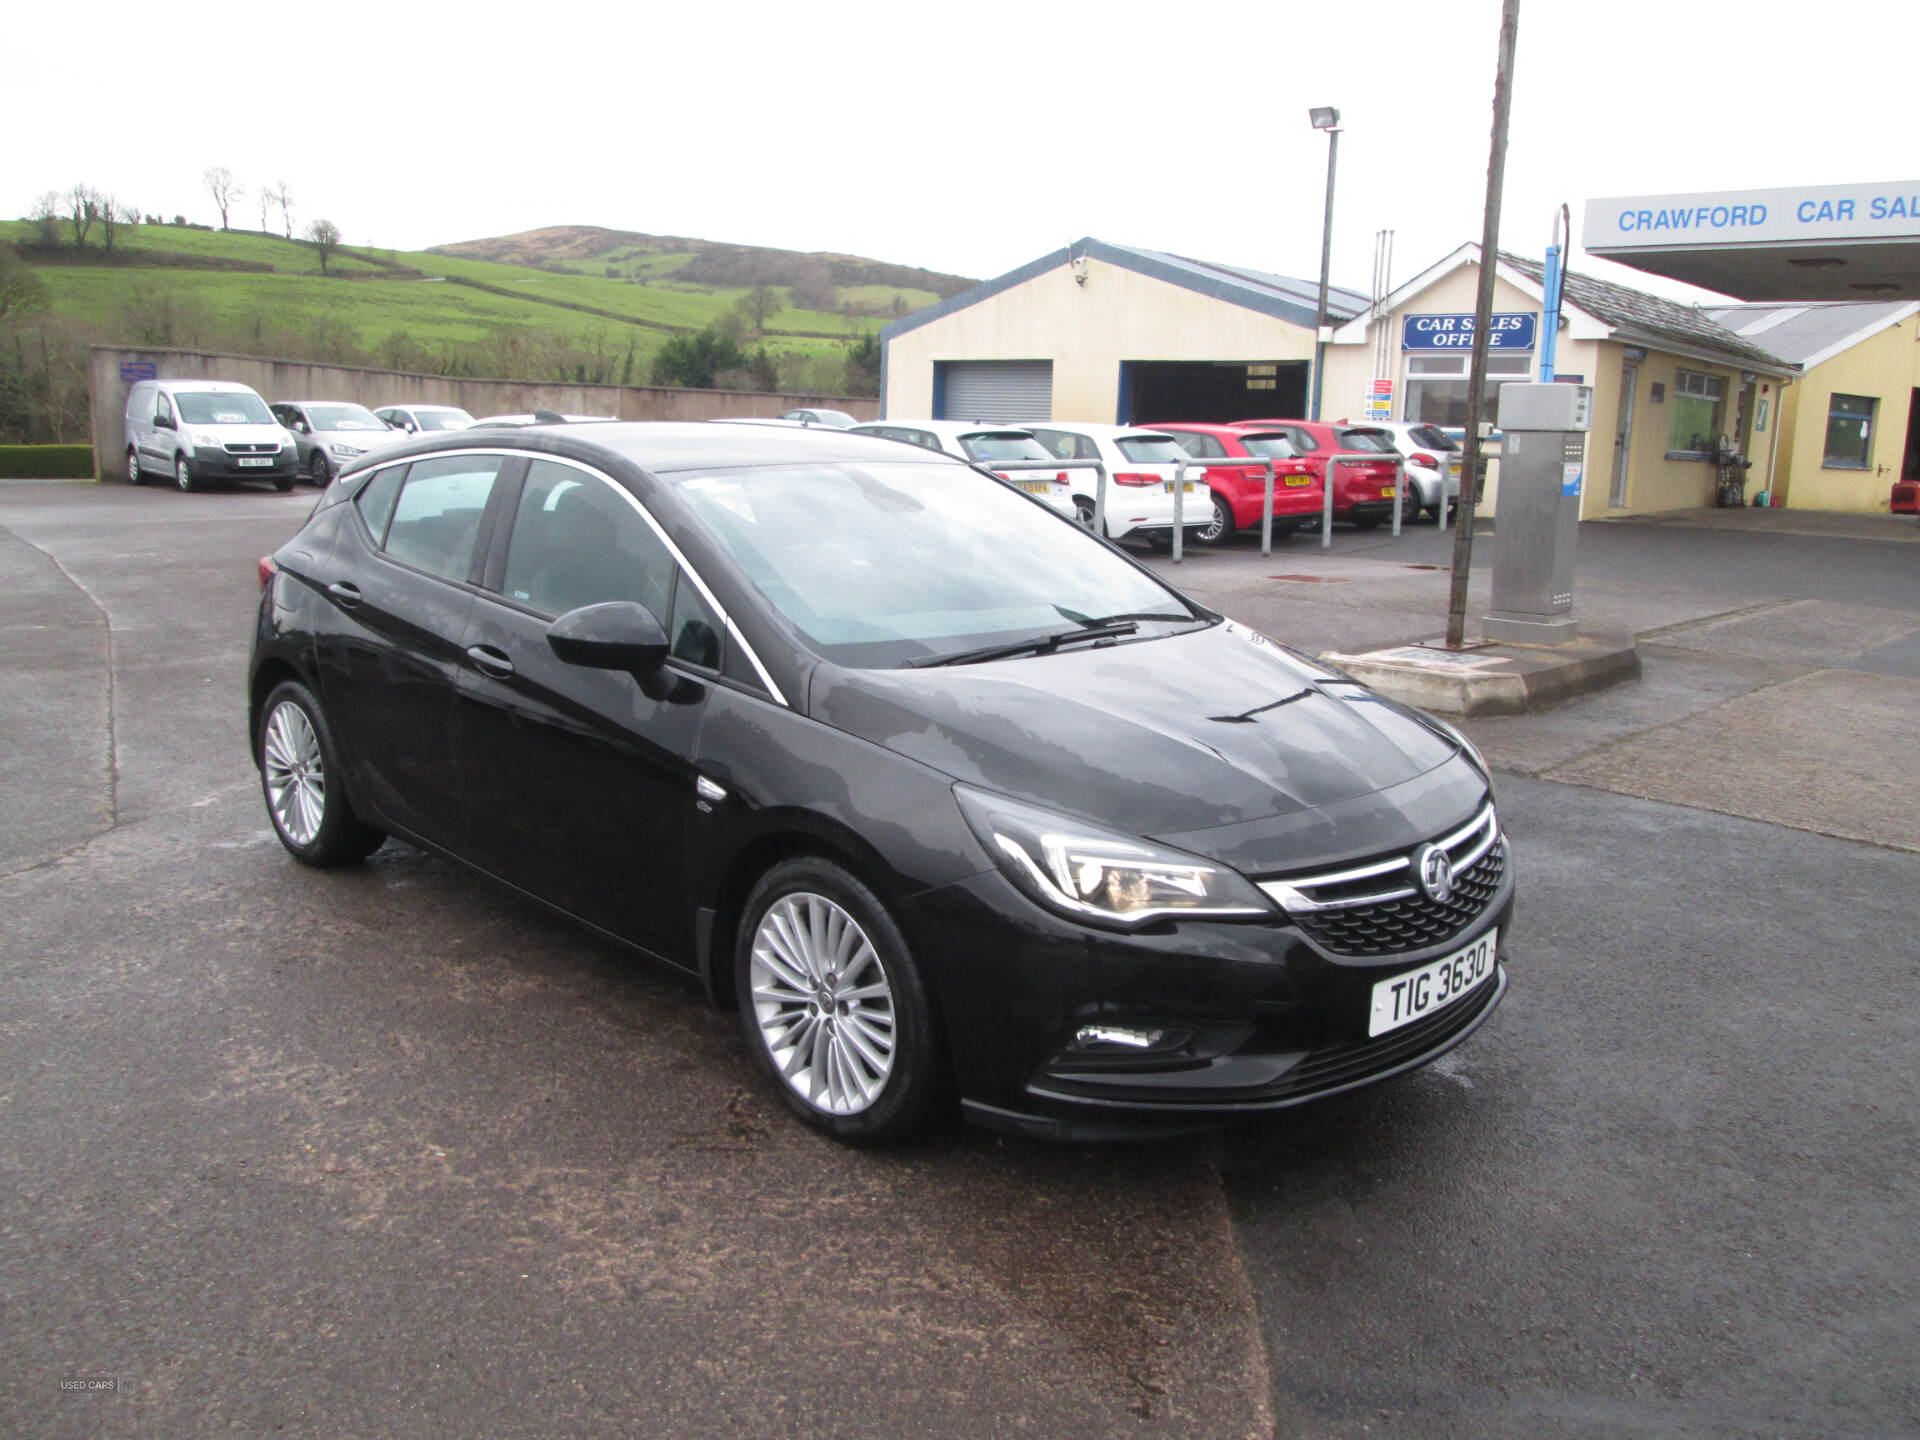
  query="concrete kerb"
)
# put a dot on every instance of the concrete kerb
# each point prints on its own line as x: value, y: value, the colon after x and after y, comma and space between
x: 1492, y: 679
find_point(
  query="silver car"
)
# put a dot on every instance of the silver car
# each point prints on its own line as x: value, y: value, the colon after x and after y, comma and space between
x: 330, y: 433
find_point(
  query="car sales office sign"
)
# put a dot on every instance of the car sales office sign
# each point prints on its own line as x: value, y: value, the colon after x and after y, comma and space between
x: 1509, y: 330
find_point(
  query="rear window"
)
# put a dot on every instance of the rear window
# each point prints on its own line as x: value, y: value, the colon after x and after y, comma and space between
x: 1432, y: 437
x: 1003, y: 445
x: 1374, y: 442
x: 1276, y: 447
x: 1150, y: 449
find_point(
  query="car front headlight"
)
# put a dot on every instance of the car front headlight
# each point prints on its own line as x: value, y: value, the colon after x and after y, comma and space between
x: 345, y: 450
x: 201, y: 438
x: 1099, y: 876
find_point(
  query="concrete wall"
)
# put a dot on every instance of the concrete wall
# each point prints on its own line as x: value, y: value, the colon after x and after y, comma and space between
x: 1885, y: 366
x: 1086, y: 330
x: 302, y: 380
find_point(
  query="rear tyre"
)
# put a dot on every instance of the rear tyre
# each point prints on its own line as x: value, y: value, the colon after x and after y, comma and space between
x: 302, y: 782
x: 318, y: 470
x: 834, y: 1007
x: 1083, y: 510
x: 183, y: 475
x: 1220, y: 528
x: 135, y: 475
x: 283, y: 483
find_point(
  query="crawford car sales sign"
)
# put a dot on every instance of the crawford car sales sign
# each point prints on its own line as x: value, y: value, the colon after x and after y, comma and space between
x: 1510, y: 330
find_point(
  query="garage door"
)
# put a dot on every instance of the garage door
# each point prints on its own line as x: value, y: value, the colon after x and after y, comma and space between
x: 994, y: 390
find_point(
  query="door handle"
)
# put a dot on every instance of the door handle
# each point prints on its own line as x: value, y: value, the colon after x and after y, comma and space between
x: 347, y: 594
x: 490, y: 661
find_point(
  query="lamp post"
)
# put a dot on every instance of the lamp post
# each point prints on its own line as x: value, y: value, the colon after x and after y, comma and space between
x: 1324, y: 117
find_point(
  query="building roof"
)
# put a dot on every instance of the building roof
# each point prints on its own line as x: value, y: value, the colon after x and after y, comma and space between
x: 1281, y: 296
x: 1808, y: 334
x: 1637, y: 316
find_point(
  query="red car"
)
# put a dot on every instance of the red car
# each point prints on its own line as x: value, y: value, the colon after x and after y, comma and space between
x: 1239, y: 492
x: 1906, y: 497
x: 1362, y: 493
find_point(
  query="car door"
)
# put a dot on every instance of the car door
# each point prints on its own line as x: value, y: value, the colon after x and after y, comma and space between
x: 157, y: 435
x: 399, y: 585
x: 580, y: 781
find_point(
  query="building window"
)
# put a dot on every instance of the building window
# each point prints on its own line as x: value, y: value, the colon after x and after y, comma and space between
x: 1437, y: 386
x: 1849, y: 432
x: 1699, y: 401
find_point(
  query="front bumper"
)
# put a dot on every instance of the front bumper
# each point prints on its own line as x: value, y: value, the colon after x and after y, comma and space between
x: 214, y: 464
x: 1258, y: 1017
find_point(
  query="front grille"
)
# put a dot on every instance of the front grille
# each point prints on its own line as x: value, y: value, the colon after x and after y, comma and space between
x: 1378, y: 908
x: 251, y: 447
x: 1396, y: 926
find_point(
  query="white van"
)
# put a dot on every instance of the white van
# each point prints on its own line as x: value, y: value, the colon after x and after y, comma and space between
x: 206, y: 432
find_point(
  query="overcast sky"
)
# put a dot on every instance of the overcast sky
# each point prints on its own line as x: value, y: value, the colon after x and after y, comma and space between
x: 970, y: 138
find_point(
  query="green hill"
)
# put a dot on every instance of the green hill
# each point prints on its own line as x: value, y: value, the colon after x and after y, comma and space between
x: 569, y: 304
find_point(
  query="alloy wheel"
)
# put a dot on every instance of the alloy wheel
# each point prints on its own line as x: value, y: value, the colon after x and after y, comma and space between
x: 295, y: 773
x: 134, y: 473
x: 823, y: 1003
x: 182, y: 472
x: 318, y: 469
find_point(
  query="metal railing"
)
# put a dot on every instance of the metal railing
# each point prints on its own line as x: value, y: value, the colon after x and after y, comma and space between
x: 996, y: 467
x: 1180, y: 495
x: 1358, y: 458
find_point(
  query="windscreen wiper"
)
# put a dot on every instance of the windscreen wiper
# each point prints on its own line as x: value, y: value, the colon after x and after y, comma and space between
x: 1039, y: 645
x: 1098, y: 620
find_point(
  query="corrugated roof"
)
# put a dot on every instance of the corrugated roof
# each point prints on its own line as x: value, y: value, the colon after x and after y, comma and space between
x: 1281, y: 296
x: 1803, y: 331
x: 1638, y: 316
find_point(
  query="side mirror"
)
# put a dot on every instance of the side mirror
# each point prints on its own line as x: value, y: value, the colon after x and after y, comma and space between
x: 163, y: 422
x: 303, y: 427
x: 613, y: 635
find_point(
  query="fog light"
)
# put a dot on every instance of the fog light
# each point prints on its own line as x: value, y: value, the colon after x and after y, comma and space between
x: 1108, y: 1037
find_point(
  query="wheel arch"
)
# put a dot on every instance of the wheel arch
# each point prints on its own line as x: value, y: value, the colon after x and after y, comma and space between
x: 271, y: 672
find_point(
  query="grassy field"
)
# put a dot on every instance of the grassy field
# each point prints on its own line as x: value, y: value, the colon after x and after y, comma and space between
x: 359, y: 303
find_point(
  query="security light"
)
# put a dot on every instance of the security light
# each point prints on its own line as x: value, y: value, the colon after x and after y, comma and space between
x: 1324, y: 117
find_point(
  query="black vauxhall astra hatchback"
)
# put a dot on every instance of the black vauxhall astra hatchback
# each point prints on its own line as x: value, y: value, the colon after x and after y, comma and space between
x: 950, y: 798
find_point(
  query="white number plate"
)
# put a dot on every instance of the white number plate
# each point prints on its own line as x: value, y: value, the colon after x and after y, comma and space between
x: 255, y: 460
x: 1406, y: 998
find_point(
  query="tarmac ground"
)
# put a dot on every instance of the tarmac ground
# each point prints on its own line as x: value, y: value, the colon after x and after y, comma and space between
x: 387, y: 1152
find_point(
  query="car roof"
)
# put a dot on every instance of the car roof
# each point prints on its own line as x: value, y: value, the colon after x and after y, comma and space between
x: 1101, y: 428
x: 178, y: 383
x: 410, y: 405
x: 664, y: 446
x: 953, y: 427
x: 355, y: 403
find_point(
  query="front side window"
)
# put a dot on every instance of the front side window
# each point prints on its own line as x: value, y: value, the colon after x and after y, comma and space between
x: 1698, y: 400
x: 1849, y: 432
x: 576, y: 541
x: 693, y: 630
x: 438, y: 513
x: 880, y: 565
x: 222, y: 407
x: 162, y: 407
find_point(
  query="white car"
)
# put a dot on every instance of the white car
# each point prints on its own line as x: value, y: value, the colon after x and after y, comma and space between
x: 424, y: 419
x: 814, y: 415
x: 1141, y: 466
x: 537, y: 417
x: 1429, y: 452
x: 983, y: 444
x: 331, y: 433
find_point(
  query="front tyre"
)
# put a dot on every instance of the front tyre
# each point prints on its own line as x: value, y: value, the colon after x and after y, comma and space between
x: 300, y: 778
x: 318, y: 470
x: 135, y: 475
x: 833, y: 1005
x: 183, y: 475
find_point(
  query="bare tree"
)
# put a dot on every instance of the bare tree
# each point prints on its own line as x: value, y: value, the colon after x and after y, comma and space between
x: 83, y: 208
x: 224, y: 188
x: 283, y: 197
x: 325, y: 237
x: 115, y: 217
x: 266, y: 204
x: 759, y: 305
x: 45, y: 219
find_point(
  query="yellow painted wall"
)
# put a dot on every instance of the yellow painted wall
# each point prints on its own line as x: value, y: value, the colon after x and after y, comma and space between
x: 1886, y: 366
x: 1086, y: 330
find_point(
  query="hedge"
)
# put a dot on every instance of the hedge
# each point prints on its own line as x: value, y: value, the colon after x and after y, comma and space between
x: 46, y: 462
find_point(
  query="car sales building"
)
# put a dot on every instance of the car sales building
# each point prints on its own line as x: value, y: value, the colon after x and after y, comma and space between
x: 1102, y: 332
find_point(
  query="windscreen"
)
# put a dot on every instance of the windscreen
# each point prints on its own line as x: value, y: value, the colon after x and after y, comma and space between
x: 1150, y: 449
x: 223, y: 407
x: 879, y: 565
x: 1375, y: 442
x: 344, y: 417
x: 1276, y: 447
x: 1432, y: 437
x: 1007, y: 445
x: 443, y: 419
